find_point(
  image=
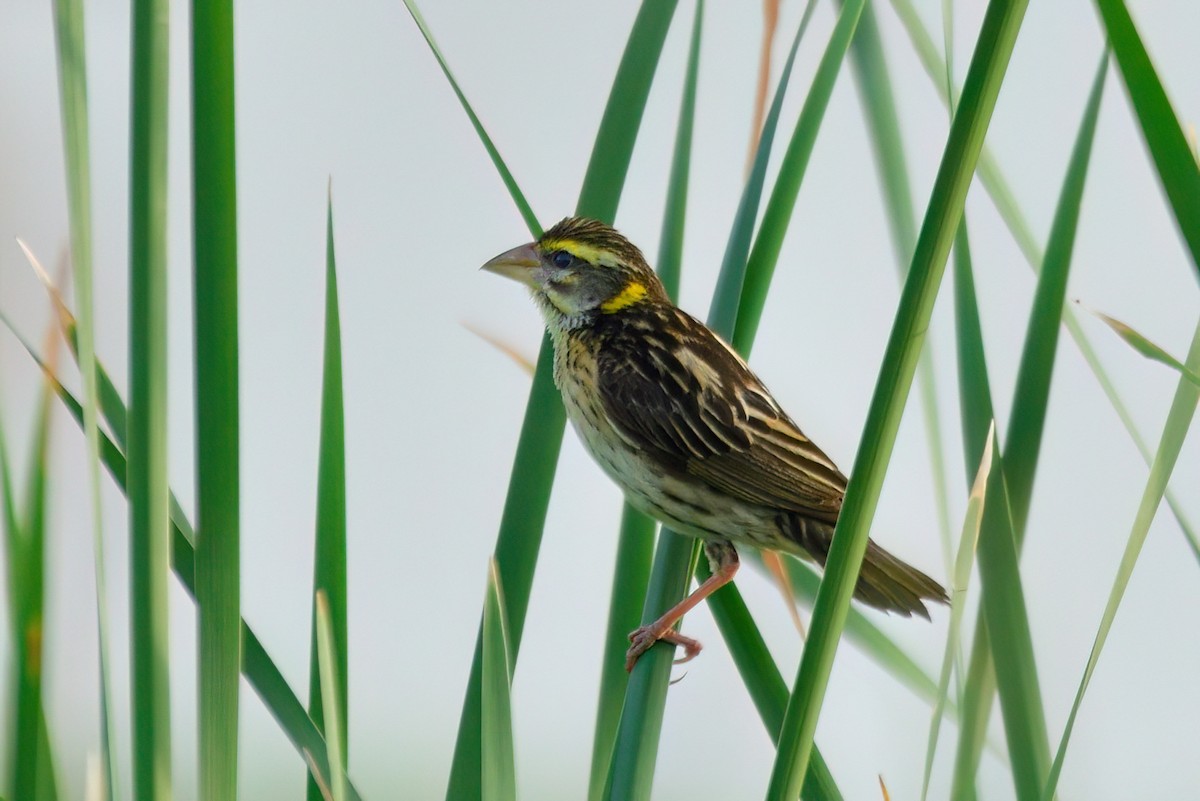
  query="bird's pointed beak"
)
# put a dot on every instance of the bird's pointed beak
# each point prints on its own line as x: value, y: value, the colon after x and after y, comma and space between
x: 517, y: 264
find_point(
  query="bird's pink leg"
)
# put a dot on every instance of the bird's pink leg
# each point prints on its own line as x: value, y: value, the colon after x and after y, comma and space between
x: 724, y: 561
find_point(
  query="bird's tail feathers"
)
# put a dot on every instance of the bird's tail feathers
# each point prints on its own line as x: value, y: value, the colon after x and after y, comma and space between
x: 889, y: 584
x: 884, y: 581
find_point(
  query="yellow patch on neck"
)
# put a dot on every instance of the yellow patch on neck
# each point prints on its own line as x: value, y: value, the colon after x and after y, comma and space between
x: 631, y: 294
x: 581, y: 250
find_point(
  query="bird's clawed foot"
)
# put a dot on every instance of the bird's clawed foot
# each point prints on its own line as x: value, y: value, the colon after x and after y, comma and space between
x: 644, y: 637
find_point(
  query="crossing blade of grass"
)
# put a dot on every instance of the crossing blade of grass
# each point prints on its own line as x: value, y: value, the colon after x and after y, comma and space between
x: 215, y: 280
x: 883, y: 127
x: 997, y: 187
x: 869, y: 637
x: 1030, y: 399
x: 1145, y: 347
x: 149, y: 531
x: 523, y: 520
x: 1002, y: 599
x: 257, y: 666
x: 499, y: 764
x: 506, y: 175
x: 73, y: 103
x: 988, y: 64
x: 963, y: 562
x: 329, y: 557
x: 635, y: 543
x: 1179, y: 420
x: 635, y: 750
x: 1177, y: 167
x: 331, y: 683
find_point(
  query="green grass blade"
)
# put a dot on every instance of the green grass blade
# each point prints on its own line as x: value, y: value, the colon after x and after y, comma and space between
x: 997, y: 187
x: 215, y: 280
x: 1030, y: 400
x: 266, y: 680
x: 1002, y: 602
x: 976, y: 404
x: 1177, y: 167
x: 523, y: 520
x: 1032, y: 390
x: 331, y: 683
x: 670, y: 249
x: 635, y: 750
x: 631, y: 575
x: 499, y: 764
x: 730, y: 290
x: 73, y: 102
x: 1144, y: 346
x: 992, y: 52
x: 1179, y: 420
x: 883, y: 127
x: 635, y: 543
x: 518, y: 197
x: 329, y: 558
x: 1007, y: 620
x: 778, y: 213
x: 30, y: 754
x: 631, y: 771
x: 875, y: 88
x: 257, y: 666
x: 47, y: 780
x: 111, y: 406
x: 149, y: 532
x: 13, y: 540
x: 963, y: 562
x: 974, y: 386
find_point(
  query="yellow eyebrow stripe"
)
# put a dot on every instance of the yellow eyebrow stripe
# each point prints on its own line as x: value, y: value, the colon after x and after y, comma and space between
x: 581, y: 250
x: 631, y: 294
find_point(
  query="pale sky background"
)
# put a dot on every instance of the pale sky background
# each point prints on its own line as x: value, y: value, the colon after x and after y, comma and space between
x: 433, y: 412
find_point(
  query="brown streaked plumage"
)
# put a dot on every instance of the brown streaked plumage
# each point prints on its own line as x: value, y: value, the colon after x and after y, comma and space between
x: 681, y: 423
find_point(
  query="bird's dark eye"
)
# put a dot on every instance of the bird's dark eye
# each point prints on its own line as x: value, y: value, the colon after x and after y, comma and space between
x: 561, y: 259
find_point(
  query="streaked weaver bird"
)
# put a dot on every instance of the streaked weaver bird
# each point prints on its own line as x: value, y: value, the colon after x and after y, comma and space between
x: 678, y: 420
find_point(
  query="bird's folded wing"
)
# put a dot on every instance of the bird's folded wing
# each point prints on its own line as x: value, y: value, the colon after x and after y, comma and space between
x: 700, y: 409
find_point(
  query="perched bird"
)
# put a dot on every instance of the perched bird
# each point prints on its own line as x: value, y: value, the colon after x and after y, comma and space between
x: 677, y: 419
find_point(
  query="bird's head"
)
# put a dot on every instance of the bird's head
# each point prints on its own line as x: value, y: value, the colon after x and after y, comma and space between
x: 580, y: 270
